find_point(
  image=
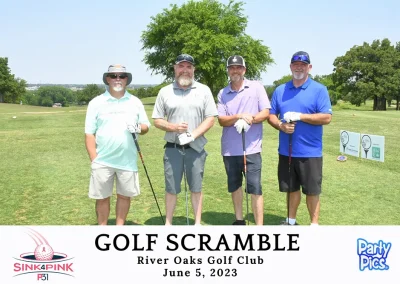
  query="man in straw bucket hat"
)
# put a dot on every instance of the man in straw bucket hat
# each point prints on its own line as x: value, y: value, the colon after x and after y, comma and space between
x: 110, y: 146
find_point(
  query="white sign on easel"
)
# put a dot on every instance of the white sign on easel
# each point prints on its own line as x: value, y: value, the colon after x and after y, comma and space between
x: 349, y: 143
x: 373, y: 147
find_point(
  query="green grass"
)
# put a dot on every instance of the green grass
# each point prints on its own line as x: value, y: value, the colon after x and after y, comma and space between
x: 45, y: 172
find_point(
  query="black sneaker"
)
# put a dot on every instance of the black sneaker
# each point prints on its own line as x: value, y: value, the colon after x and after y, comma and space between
x: 286, y: 223
x: 239, y: 222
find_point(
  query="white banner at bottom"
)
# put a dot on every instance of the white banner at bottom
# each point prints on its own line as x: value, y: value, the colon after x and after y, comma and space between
x: 199, y: 254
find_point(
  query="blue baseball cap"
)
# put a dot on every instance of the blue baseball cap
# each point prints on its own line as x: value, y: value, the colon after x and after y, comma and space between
x: 301, y: 56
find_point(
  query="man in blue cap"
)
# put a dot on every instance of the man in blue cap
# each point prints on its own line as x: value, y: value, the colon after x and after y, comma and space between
x: 299, y: 109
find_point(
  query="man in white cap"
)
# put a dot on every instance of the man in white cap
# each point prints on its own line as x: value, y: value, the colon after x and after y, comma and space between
x: 110, y: 145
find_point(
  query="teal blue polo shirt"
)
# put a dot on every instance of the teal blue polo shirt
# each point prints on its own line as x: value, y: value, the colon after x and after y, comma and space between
x: 107, y: 118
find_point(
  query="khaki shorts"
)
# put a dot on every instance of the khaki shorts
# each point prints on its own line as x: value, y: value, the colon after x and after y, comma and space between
x: 102, y: 182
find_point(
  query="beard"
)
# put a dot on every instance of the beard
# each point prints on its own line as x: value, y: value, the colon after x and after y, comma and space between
x: 236, y: 78
x: 184, y: 80
x: 298, y: 75
x: 117, y: 88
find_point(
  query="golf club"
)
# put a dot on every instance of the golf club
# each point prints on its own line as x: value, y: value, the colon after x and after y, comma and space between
x: 145, y: 169
x: 290, y: 177
x: 185, y: 181
x: 245, y: 174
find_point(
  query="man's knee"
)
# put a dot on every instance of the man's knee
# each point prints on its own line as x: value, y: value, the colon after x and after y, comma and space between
x: 119, y: 196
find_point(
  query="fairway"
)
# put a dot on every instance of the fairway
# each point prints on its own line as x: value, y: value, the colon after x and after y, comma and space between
x: 45, y: 173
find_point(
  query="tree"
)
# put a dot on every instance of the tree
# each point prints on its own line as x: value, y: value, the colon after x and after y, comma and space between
x: 16, y: 91
x: 396, y: 77
x: 368, y: 71
x: 11, y: 89
x: 30, y: 98
x: 210, y: 32
x: 48, y: 95
x: 88, y: 93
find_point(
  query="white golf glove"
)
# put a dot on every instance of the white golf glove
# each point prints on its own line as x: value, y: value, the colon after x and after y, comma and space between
x: 134, y: 128
x: 241, y: 125
x: 185, y: 138
x: 291, y: 116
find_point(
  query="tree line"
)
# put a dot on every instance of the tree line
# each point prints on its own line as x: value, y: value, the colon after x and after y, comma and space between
x: 211, y: 32
x: 49, y: 95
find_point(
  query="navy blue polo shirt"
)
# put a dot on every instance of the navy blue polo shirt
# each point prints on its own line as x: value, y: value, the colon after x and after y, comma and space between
x: 311, y: 97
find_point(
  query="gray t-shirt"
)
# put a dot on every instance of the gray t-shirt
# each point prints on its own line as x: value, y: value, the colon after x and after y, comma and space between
x: 192, y: 105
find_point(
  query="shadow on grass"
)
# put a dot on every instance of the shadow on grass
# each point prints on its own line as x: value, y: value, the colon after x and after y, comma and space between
x: 216, y: 219
x: 113, y: 221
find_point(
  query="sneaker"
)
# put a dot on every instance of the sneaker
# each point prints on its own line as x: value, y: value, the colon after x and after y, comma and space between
x: 287, y: 223
x: 239, y: 222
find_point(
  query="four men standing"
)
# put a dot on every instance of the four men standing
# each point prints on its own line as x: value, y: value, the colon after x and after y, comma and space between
x: 186, y: 110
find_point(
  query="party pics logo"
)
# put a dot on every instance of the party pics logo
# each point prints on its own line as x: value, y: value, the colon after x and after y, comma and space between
x: 43, y: 261
x: 373, y: 256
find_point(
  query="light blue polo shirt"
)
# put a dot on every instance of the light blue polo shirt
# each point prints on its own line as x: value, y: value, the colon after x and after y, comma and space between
x: 107, y: 118
x: 311, y: 97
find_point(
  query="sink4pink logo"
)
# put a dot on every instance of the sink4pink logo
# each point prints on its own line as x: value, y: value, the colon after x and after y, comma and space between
x: 43, y: 261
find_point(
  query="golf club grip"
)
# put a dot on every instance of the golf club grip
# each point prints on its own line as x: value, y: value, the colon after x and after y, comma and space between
x: 136, y: 142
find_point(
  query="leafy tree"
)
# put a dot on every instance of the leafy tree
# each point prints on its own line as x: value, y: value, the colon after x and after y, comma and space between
x: 88, y: 93
x: 48, y: 95
x: 15, y: 92
x: 11, y: 89
x: 396, y: 77
x: 30, y: 98
x: 368, y: 71
x: 210, y: 32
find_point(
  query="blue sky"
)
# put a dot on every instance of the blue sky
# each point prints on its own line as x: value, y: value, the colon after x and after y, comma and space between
x: 74, y: 41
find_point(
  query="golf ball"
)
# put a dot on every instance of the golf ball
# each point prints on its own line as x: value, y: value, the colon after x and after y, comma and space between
x: 44, y: 252
x: 14, y: 117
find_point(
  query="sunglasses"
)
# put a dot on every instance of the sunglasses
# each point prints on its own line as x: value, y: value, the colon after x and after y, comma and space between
x: 115, y: 76
x: 301, y: 58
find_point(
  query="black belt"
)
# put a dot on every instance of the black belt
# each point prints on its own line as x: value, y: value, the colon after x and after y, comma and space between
x: 174, y: 145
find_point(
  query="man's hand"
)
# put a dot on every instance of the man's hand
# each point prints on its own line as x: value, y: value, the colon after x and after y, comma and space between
x: 181, y: 127
x: 185, y: 138
x: 241, y: 125
x: 134, y: 128
x: 291, y: 116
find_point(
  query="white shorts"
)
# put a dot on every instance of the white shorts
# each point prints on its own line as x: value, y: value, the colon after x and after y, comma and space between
x: 102, y: 182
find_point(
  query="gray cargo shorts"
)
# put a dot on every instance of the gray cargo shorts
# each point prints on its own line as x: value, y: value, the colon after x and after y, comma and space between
x: 174, y: 160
